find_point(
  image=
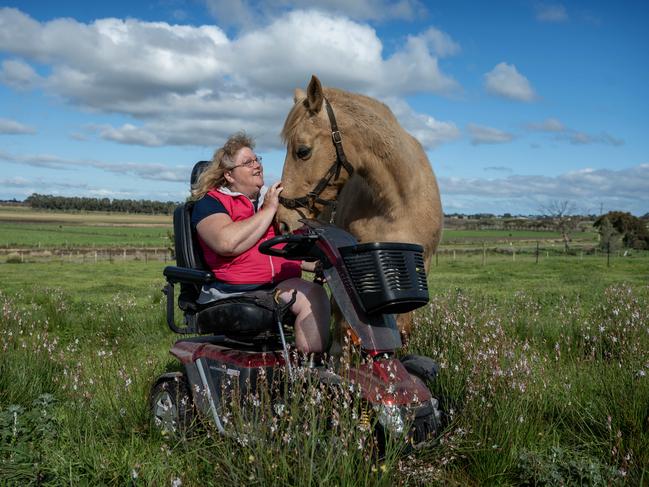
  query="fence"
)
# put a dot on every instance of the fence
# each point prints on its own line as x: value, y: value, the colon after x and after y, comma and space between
x: 527, y: 253
x: 146, y: 254
x: 483, y: 253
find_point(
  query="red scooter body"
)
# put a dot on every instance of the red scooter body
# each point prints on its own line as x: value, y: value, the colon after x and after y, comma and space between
x: 368, y: 282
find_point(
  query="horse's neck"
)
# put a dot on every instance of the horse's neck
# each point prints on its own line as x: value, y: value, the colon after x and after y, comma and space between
x: 387, y: 176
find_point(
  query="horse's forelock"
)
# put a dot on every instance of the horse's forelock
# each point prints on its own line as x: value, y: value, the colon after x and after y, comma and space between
x: 292, y: 120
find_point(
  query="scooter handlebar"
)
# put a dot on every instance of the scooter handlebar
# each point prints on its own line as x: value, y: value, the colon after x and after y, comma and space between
x: 298, y: 247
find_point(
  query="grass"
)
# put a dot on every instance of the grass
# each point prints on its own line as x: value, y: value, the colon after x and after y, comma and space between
x: 544, y: 372
x: 24, y: 228
x: 54, y: 236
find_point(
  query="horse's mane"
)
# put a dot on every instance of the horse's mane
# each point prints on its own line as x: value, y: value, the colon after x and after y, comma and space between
x: 355, y: 114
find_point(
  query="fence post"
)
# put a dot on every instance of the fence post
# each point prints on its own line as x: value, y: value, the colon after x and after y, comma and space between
x: 608, y: 254
x: 484, y: 253
x: 537, y: 251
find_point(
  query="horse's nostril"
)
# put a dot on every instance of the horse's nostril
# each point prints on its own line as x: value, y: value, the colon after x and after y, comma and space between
x: 283, y: 227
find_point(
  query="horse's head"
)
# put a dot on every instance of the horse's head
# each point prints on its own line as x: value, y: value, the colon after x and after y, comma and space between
x: 313, y: 172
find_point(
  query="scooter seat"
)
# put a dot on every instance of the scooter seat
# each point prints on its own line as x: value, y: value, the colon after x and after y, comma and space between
x: 243, y: 316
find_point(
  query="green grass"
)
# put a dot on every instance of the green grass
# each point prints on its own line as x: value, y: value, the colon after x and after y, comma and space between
x: 53, y: 235
x: 545, y: 374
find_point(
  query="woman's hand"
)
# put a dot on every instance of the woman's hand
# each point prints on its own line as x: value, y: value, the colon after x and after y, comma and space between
x: 271, y: 200
x: 308, y: 266
x: 316, y: 268
x: 230, y: 238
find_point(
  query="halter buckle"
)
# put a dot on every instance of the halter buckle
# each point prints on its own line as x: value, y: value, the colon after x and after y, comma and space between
x: 311, y: 197
x: 336, y: 137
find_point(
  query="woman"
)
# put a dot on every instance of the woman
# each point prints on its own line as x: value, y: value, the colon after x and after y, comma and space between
x: 234, y: 212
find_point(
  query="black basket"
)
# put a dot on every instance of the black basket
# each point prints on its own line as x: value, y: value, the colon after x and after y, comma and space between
x: 387, y: 277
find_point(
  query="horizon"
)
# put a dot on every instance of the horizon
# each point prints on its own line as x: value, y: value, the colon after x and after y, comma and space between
x: 524, y: 104
x: 478, y: 214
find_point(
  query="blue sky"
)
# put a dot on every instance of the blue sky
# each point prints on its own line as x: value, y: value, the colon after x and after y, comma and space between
x: 518, y: 103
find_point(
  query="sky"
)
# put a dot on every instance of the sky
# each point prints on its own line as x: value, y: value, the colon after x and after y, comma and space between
x: 518, y: 103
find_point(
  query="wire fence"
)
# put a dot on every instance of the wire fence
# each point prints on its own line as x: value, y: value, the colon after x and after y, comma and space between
x: 88, y: 256
x: 483, y: 254
x: 536, y: 252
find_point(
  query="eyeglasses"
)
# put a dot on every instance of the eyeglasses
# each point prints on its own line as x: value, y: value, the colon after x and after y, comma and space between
x: 249, y: 163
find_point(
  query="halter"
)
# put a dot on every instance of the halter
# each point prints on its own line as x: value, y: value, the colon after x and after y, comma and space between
x: 312, y: 197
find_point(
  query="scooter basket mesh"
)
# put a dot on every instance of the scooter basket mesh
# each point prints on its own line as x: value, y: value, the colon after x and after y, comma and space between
x: 387, y: 277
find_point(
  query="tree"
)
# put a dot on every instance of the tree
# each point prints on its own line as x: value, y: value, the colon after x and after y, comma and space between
x: 610, y: 238
x: 632, y: 229
x: 561, y: 212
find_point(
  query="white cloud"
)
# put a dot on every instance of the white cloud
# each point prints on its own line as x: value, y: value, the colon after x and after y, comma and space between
x: 247, y: 13
x: 505, y: 80
x: 21, y: 188
x: 552, y: 125
x: 426, y: 129
x: 551, y: 13
x: 129, y: 134
x: 18, y: 74
x: 194, y: 85
x: 440, y: 42
x: 624, y: 189
x: 488, y: 135
x: 547, y: 125
x: 12, y: 127
x: 157, y: 172
x: 581, y: 138
x: 498, y: 169
x: 17, y: 182
x: 182, y: 84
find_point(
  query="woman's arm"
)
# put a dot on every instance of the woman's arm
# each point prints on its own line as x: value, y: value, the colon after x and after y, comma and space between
x: 230, y: 238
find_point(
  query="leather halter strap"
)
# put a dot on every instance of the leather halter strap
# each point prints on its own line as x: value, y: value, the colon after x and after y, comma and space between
x: 333, y: 173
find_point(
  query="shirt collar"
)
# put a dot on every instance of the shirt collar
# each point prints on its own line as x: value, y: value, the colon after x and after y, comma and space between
x: 260, y: 199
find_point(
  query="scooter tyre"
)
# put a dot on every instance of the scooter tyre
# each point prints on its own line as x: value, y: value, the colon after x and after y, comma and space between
x: 172, y: 406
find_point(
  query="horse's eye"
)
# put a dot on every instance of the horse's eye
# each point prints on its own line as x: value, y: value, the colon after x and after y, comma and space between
x: 303, y: 152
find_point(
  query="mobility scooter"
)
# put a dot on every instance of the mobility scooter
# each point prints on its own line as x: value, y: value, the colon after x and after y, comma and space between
x: 244, y: 337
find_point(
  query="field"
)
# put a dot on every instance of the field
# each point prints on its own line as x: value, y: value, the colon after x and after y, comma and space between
x: 23, y: 228
x: 30, y: 232
x: 544, y: 376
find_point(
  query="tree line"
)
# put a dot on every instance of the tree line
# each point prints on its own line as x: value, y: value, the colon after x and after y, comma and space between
x: 621, y: 229
x: 75, y: 203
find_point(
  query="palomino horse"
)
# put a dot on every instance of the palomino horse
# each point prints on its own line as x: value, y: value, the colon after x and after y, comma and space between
x: 349, y: 160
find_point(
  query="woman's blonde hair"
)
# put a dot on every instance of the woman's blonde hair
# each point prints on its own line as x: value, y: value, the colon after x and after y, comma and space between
x: 222, y: 161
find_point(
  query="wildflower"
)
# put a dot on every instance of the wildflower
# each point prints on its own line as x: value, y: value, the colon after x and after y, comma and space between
x: 176, y: 482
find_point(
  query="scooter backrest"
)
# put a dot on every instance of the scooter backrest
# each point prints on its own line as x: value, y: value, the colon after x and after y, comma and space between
x: 188, y: 253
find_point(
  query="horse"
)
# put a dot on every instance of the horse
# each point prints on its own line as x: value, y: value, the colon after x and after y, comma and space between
x: 380, y: 185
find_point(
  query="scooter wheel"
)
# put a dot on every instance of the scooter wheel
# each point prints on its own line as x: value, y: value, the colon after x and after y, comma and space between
x: 171, y: 404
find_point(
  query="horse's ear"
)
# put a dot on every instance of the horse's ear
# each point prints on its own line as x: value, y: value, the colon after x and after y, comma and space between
x: 298, y: 95
x: 315, y: 96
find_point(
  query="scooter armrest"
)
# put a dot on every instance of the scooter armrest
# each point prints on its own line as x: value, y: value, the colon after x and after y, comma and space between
x: 184, y: 274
